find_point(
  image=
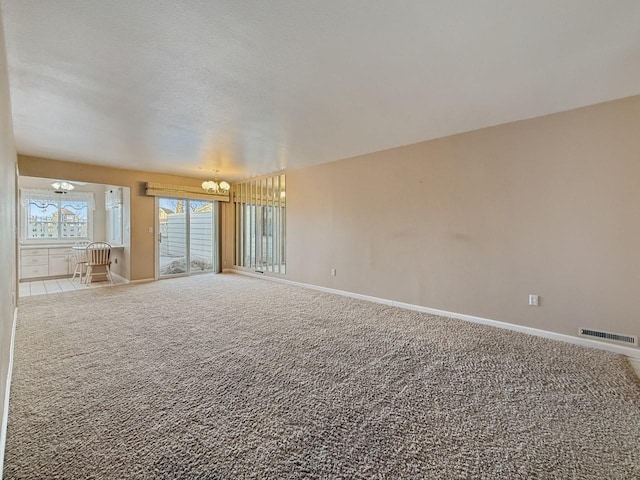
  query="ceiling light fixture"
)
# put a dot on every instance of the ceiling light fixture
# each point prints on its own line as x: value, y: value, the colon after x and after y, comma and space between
x: 215, y: 186
x: 62, y: 186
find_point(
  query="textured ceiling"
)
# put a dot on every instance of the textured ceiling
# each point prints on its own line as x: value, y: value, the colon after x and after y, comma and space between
x: 257, y: 86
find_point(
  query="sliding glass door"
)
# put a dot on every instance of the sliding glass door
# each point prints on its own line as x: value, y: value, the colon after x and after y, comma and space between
x: 201, y: 236
x: 188, y: 240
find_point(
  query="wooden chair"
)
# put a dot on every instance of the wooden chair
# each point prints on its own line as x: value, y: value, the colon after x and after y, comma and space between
x: 80, y: 255
x: 98, y: 254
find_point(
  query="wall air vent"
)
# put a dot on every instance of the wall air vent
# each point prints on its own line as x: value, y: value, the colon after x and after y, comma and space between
x: 627, y: 339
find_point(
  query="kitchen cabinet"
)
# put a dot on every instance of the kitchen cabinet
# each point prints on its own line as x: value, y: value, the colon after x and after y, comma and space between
x: 45, y: 262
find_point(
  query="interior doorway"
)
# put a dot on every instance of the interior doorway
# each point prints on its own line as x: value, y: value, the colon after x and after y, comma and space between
x: 54, y: 215
x: 188, y: 240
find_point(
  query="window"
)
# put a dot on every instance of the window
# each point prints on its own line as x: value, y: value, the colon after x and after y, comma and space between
x: 114, y: 225
x: 260, y: 224
x: 113, y: 206
x: 50, y: 216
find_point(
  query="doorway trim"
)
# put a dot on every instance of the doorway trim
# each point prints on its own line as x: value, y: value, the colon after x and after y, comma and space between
x: 217, y: 244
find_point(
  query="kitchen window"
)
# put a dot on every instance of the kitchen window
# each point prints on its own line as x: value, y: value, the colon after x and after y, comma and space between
x: 49, y: 216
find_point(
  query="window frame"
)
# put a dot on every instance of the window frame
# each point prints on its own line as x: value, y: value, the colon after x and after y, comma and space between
x: 28, y: 194
x: 114, y: 215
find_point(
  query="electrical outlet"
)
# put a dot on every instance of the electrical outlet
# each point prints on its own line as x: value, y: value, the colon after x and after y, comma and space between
x: 333, y: 272
x: 534, y: 300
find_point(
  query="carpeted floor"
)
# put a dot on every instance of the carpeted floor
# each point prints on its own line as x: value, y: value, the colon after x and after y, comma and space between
x: 223, y: 376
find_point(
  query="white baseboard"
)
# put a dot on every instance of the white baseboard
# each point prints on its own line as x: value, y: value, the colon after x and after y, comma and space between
x: 631, y: 352
x: 7, y: 391
x: 121, y: 280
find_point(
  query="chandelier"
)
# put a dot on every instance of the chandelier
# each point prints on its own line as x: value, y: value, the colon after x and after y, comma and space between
x: 215, y: 186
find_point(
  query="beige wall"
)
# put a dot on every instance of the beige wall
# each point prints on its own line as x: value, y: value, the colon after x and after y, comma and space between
x: 473, y: 223
x: 142, y: 207
x: 227, y: 235
x: 7, y: 227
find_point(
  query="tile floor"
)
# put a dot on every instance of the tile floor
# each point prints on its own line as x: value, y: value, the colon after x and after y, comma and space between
x: 58, y: 285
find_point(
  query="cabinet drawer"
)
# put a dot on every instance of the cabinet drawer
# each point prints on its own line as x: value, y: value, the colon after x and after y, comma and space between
x: 60, y: 251
x: 33, y: 271
x: 58, y: 265
x: 29, y: 252
x: 35, y: 260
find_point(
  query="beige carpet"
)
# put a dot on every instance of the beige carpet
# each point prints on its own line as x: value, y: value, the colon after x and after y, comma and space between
x: 222, y: 376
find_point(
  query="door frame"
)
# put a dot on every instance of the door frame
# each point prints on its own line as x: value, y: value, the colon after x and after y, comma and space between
x: 217, y: 245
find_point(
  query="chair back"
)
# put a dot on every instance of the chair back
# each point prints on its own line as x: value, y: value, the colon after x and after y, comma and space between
x: 80, y: 250
x: 98, y: 253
